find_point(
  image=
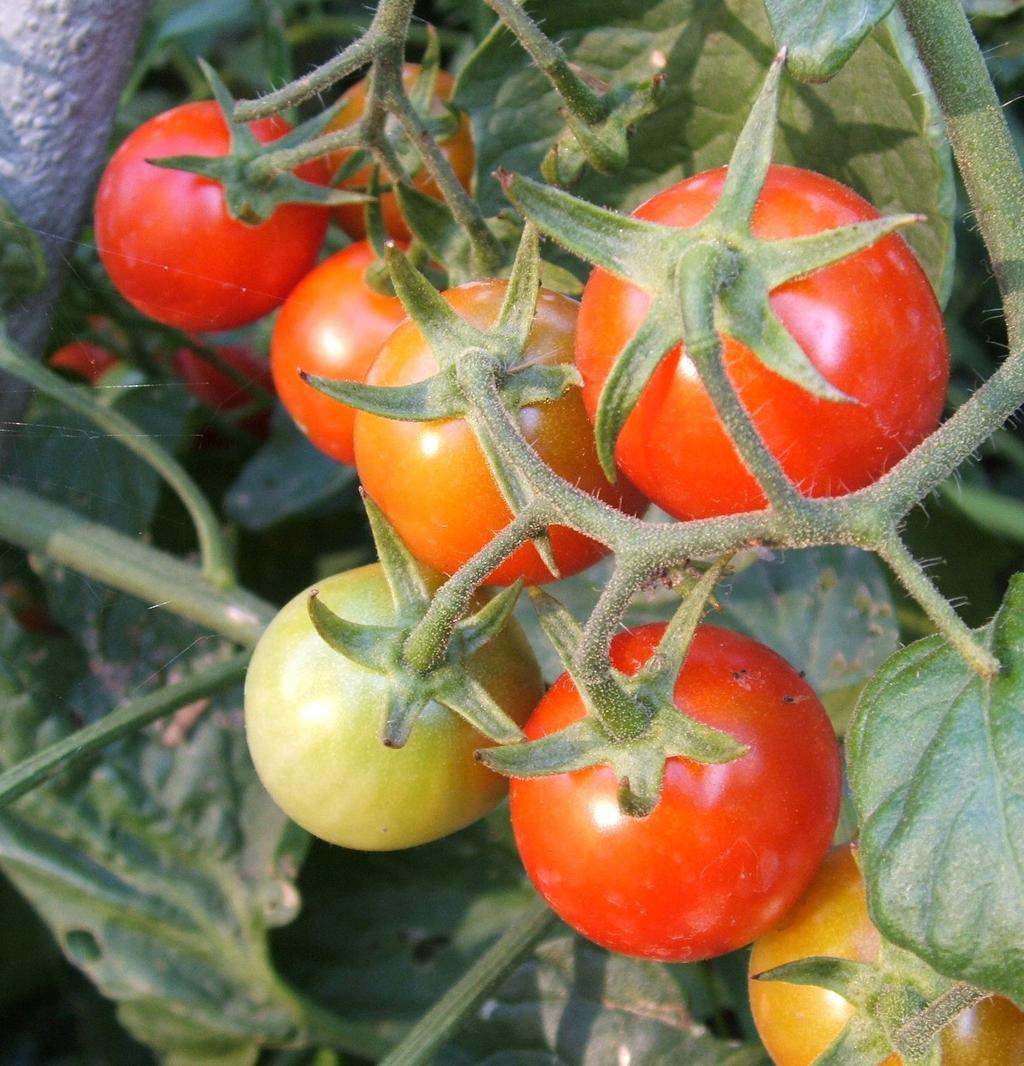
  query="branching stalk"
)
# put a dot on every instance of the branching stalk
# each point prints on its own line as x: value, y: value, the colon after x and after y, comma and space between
x: 578, y: 97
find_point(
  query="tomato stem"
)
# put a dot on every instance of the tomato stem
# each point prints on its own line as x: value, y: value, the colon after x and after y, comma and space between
x: 916, y: 1036
x: 579, y: 98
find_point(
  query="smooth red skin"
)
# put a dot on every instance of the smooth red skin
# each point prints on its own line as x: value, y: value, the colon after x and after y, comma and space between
x: 217, y: 390
x: 431, y: 479
x: 171, y: 247
x: 870, y: 324
x: 798, y: 1022
x: 457, y: 149
x: 727, y: 850
x: 332, y: 325
x: 85, y: 359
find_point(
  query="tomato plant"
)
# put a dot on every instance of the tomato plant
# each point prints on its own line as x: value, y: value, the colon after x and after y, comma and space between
x: 217, y: 389
x: 332, y: 325
x: 457, y: 148
x: 191, y: 264
x: 313, y: 720
x: 798, y: 1022
x: 870, y: 324
x: 431, y: 479
x: 728, y: 849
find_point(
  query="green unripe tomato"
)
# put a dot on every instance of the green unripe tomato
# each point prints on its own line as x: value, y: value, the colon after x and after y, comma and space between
x: 313, y: 721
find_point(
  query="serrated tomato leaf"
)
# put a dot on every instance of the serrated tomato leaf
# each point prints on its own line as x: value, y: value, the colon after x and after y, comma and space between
x: 936, y: 760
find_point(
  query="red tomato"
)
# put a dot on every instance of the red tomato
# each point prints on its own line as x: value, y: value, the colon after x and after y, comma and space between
x: 217, y: 390
x: 84, y: 359
x: 457, y: 149
x: 798, y: 1022
x: 727, y: 850
x: 332, y: 325
x: 170, y: 245
x: 870, y: 324
x: 431, y: 479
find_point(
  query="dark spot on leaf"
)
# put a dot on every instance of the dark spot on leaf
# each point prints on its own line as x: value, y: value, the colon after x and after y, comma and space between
x: 82, y: 946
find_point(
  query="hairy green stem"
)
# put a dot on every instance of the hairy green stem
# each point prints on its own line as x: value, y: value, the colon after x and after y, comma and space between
x: 425, y: 645
x: 425, y: 1038
x: 577, y: 96
x: 914, y: 579
x: 285, y: 159
x: 217, y: 566
x: 346, y: 62
x: 487, y: 256
x: 127, y: 564
x: 127, y: 718
x: 701, y: 272
x: 915, y: 1037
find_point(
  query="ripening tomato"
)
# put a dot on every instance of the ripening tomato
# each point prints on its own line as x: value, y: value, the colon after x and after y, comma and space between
x: 84, y: 359
x: 313, y: 720
x: 870, y: 324
x: 456, y: 148
x: 332, y: 325
x: 431, y: 479
x: 216, y: 389
x: 798, y: 1022
x: 169, y: 243
x: 728, y: 849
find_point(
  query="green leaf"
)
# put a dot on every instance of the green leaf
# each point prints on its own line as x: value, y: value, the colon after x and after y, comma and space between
x: 286, y: 476
x: 575, y: 1005
x: 160, y: 868
x: 936, y: 760
x: 22, y: 263
x: 828, y: 611
x: 821, y: 35
x: 876, y: 126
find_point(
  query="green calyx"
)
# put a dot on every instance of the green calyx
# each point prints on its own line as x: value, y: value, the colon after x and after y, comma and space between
x: 604, y: 145
x: 901, y: 1004
x: 381, y: 649
x: 632, y: 724
x: 470, y: 361
x: 715, y: 277
x: 257, y: 178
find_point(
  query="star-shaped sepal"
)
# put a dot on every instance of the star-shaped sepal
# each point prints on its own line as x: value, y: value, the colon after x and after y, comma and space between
x: 381, y: 648
x: 660, y: 731
x: 460, y: 348
x: 900, y: 1005
x: 254, y: 185
x: 715, y: 276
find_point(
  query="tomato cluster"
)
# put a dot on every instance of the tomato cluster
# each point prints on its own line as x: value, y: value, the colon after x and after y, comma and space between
x: 728, y: 849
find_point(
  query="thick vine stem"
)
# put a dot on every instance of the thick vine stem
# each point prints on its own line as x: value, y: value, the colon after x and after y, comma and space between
x: 579, y: 98
x: 127, y: 564
x: 218, y: 568
x: 914, y: 579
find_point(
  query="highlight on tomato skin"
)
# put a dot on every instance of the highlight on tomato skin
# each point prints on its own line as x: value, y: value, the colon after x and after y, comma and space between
x: 431, y: 478
x: 191, y: 265
x: 798, y: 1022
x: 870, y: 324
x: 457, y: 148
x: 728, y: 849
x: 332, y: 325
